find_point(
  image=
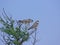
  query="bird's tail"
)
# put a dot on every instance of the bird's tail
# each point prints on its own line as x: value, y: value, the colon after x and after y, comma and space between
x: 29, y: 28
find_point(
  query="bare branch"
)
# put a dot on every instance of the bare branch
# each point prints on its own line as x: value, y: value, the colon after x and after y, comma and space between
x: 35, y: 40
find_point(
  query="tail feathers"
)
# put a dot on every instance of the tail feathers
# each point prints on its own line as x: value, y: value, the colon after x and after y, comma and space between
x: 30, y: 28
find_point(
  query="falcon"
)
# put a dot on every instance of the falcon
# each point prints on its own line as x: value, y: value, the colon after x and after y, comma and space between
x: 34, y: 26
x: 25, y: 21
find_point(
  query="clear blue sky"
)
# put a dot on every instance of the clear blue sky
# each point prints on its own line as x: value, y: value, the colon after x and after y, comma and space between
x: 46, y: 11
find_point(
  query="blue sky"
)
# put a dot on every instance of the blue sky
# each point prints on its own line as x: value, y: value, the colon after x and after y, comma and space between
x: 46, y: 11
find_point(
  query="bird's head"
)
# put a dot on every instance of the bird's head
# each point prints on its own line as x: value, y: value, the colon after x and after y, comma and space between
x: 30, y: 20
x: 37, y: 21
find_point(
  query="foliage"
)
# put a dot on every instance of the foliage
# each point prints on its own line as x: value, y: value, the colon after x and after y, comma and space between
x: 15, y: 34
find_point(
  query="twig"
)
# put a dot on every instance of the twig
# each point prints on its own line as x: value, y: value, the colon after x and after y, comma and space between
x: 34, y: 42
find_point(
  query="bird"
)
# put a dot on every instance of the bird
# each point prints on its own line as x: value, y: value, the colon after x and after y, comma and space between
x: 34, y: 26
x: 25, y: 21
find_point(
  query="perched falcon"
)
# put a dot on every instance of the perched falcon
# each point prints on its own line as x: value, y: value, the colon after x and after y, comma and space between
x: 34, y: 26
x: 25, y: 21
